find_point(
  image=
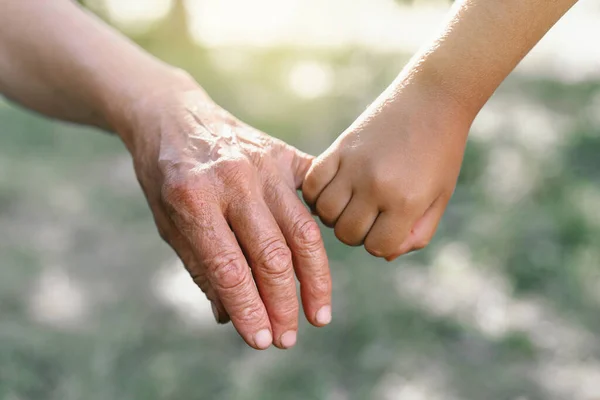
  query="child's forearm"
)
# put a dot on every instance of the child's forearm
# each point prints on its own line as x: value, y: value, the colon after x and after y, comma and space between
x: 410, y: 143
x: 481, y: 44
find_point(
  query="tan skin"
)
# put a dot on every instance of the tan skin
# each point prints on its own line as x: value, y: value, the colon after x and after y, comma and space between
x: 223, y: 193
x: 387, y: 179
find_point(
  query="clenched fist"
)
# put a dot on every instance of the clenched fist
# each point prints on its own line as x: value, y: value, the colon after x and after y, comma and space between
x: 386, y: 181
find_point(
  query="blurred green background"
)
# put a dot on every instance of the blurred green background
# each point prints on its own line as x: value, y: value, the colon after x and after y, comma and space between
x: 504, y: 304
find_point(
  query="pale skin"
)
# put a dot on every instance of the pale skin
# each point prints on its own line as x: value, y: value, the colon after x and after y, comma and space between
x: 386, y: 181
x: 223, y: 193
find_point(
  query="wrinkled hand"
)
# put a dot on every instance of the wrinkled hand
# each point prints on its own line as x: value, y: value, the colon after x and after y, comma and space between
x: 386, y: 181
x: 224, y: 197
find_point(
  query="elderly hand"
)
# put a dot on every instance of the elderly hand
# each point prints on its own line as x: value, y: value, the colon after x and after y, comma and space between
x: 224, y: 197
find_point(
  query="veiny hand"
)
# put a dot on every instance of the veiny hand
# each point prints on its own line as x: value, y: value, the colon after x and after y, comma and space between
x: 224, y: 197
x: 386, y: 181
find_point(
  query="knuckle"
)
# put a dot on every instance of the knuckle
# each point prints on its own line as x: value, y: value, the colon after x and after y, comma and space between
x: 307, y: 232
x: 394, y: 193
x: 286, y: 313
x: 380, y: 180
x: 183, y: 193
x: 228, y: 272
x: 199, y: 278
x: 275, y: 259
x: 347, y: 237
x: 320, y: 286
x: 378, y: 184
x: 249, y: 313
x: 412, y: 199
x: 186, y: 196
x: 271, y: 181
x: 375, y: 250
x: 325, y: 211
x: 173, y: 191
x: 233, y: 170
x: 328, y: 222
x: 405, y: 201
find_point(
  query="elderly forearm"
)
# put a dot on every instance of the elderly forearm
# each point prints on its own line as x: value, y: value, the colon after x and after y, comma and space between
x: 64, y: 63
x: 481, y: 44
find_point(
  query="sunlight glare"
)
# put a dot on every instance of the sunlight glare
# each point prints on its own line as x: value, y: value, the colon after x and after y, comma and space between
x: 310, y: 79
x: 334, y: 23
x: 137, y: 13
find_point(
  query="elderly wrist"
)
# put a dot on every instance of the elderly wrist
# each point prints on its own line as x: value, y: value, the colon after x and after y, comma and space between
x: 144, y: 101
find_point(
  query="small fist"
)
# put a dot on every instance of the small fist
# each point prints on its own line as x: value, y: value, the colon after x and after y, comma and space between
x: 386, y: 181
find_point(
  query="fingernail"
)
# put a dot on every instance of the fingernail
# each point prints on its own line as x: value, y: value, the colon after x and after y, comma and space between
x: 288, y: 339
x: 324, y: 315
x: 215, y: 312
x: 263, y: 339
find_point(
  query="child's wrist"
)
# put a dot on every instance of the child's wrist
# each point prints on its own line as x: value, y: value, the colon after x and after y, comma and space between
x: 449, y: 98
x: 416, y: 96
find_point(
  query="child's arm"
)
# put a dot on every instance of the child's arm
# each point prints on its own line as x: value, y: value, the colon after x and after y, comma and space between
x: 386, y: 181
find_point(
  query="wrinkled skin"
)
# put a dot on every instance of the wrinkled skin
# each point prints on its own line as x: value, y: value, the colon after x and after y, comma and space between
x: 387, y: 179
x: 223, y: 196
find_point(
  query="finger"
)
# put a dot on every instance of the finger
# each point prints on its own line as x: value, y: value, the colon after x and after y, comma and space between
x: 308, y: 252
x: 271, y: 262
x: 300, y: 166
x: 333, y: 200
x: 199, y: 277
x: 356, y: 221
x: 219, y: 312
x: 171, y: 235
x: 388, y: 232
x: 216, y: 248
x: 321, y: 172
x: 424, y: 229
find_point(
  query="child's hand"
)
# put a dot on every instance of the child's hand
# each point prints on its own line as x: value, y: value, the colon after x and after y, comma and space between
x: 386, y: 181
